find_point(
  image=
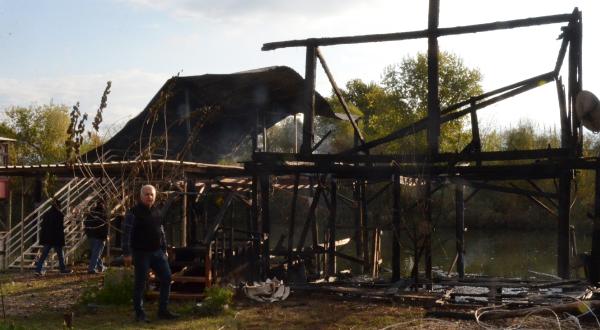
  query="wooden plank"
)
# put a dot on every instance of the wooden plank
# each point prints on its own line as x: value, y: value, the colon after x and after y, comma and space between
x: 309, y: 100
x: 340, y: 97
x: 331, y: 264
x: 396, y: 223
x: 433, y: 101
x: 511, y: 24
x: 460, y: 228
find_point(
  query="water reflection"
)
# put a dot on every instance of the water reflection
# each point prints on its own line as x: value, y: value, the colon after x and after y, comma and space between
x: 504, y: 253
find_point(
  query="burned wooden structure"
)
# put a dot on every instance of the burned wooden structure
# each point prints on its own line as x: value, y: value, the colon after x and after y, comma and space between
x: 432, y: 168
x: 226, y: 211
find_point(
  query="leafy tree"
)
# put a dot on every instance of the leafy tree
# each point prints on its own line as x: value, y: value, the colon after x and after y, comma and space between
x: 401, y: 98
x: 40, y: 132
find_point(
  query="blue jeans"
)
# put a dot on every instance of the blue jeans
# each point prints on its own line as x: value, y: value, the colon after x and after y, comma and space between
x: 142, y: 262
x: 96, y: 248
x: 45, y: 251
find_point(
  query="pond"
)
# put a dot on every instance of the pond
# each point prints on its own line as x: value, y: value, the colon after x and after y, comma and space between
x: 498, y: 252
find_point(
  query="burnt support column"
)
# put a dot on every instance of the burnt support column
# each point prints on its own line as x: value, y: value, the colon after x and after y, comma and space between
x: 364, y: 225
x: 433, y: 115
x: 332, y: 217
x: 266, y: 223
x: 594, y: 274
x: 309, y: 96
x: 433, y: 102
x: 428, y: 229
x: 460, y: 229
x: 396, y: 260
x: 564, y: 207
x: 292, y: 227
x: 184, y: 215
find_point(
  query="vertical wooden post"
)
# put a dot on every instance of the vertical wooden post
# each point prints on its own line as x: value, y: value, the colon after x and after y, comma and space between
x: 396, y: 261
x: 364, y: 225
x: 292, y: 228
x: 564, y: 206
x: 428, y: 230
x: 357, y: 219
x: 433, y: 115
x: 266, y: 223
x: 575, y: 82
x: 460, y: 229
x: 433, y: 102
x: 309, y: 95
x: 595, y: 264
x: 184, y: 215
x: 7, y: 252
x: 332, y: 217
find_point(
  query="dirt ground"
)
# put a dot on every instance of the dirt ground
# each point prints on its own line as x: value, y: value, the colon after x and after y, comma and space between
x: 31, y: 302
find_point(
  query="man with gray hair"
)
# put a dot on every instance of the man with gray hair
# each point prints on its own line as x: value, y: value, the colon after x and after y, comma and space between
x: 144, y: 240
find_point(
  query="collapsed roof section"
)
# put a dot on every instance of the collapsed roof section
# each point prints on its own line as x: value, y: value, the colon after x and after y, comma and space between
x: 207, y: 117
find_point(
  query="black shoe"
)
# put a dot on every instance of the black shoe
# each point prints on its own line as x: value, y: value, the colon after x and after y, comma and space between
x: 66, y: 271
x: 141, y: 317
x: 36, y: 273
x: 93, y: 271
x: 166, y: 315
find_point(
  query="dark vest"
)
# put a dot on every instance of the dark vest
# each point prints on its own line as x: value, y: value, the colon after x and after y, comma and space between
x: 146, y: 230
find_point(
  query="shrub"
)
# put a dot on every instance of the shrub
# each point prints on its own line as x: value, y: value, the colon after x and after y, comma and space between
x: 116, y: 290
x: 217, y: 299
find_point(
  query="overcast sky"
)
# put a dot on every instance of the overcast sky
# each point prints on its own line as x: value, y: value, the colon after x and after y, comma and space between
x: 65, y: 51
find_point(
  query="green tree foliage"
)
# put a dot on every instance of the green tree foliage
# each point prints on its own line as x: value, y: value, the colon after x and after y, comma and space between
x: 401, y: 98
x: 40, y: 132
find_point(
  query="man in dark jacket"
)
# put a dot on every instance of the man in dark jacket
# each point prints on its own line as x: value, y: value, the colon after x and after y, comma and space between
x: 144, y: 240
x: 52, y: 236
x: 96, y: 230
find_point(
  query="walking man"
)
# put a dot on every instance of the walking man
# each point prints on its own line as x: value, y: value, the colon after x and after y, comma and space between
x: 96, y: 230
x: 144, y: 240
x: 52, y: 236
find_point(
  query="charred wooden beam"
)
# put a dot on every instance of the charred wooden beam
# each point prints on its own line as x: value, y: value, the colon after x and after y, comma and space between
x: 292, y: 228
x: 533, y: 154
x: 331, y: 226
x: 540, y: 203
x: 518, y: 23
x: 217, y: 222
x: 364, y: 225
x: 423, y: 123
x: 544, y: 76
x: 489, y: 172
x: 595, y: 264
x: 396, y: 223
x: 266, y: 223
x: 460, y: 229
x: 536, y: 187
x: 433, y: 100
x: 309, y: 97
x: 340, y: 97
x: 323, y: 139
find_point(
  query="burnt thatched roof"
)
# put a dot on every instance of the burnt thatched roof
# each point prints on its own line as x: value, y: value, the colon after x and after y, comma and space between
x: 208, y: 116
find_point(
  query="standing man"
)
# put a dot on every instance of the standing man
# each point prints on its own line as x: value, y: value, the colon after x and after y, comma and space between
x: 144, y: 240
x: 52, y: 236
x: 96, y: 230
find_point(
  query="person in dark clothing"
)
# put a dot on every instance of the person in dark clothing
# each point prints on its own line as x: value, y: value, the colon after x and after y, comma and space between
x: 144, y: 241
x: 52, y: 236
x: 96, y: 230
